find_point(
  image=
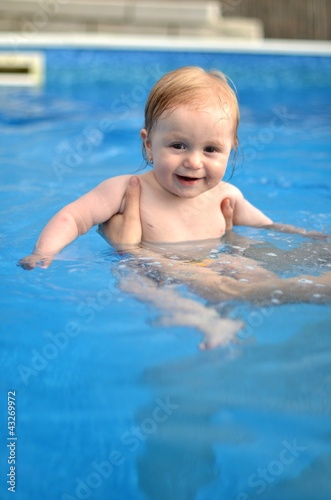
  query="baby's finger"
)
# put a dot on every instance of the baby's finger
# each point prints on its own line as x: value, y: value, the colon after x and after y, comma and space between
x: 45, y: 262
x: 26, y: 264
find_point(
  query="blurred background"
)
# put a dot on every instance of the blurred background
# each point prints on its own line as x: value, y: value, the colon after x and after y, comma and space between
x: 253, y: 19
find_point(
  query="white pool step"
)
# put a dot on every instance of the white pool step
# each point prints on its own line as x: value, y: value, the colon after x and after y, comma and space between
x: 167, y: 17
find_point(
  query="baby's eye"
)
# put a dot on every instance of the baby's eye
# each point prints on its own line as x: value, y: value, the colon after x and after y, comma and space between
x: 210, y: 149
x: 178, y: 145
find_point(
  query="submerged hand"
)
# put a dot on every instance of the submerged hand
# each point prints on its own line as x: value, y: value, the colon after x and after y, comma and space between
x: 124, y: 231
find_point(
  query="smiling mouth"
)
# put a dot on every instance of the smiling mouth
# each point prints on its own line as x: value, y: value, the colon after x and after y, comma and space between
x: 187, y: 179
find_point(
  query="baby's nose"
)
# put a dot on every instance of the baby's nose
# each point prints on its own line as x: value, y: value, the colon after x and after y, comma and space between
x: 193, y: 160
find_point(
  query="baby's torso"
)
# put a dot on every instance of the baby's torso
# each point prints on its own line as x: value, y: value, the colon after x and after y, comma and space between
x: 170, y: 218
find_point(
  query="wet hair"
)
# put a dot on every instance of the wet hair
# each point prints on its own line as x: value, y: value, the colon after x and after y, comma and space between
x: 190, y: 85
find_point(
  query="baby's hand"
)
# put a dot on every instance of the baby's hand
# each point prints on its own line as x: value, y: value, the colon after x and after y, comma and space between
x: 34, y: 260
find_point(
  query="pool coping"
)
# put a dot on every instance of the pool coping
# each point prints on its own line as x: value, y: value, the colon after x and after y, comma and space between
x: 18, y: 40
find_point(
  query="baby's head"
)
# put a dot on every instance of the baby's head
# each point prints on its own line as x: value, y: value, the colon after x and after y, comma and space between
x: 190, y: 86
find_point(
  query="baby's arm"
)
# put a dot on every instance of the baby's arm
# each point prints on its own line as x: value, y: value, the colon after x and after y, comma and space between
x: 245, y: 214
x: 77, y: 218
x: 288, y: 228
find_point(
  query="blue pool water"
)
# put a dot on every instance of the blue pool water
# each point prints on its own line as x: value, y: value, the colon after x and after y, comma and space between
x: 110, y: 403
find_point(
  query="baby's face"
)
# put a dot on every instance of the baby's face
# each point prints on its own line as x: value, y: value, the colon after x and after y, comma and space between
x: 190, y: 147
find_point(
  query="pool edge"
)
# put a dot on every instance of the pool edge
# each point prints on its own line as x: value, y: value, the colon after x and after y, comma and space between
x: 19, y: 40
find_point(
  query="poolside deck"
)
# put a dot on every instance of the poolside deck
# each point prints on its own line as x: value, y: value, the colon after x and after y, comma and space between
x: 198, y: 18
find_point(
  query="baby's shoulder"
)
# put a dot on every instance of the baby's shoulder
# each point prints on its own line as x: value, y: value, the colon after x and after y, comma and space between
x: 118, y: 179
x: 117, y: 183
x: 227, y: 190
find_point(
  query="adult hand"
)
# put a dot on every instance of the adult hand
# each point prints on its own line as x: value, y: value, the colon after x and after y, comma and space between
x: 124, y: 231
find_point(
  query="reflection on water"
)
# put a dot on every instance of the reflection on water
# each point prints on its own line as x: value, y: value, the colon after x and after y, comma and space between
x: 247, y: 419
x: 284, y: 254
x: 238, y: 411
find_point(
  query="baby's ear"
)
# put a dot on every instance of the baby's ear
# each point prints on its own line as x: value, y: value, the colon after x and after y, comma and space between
x: 143, y: 134
x: 146, y: 140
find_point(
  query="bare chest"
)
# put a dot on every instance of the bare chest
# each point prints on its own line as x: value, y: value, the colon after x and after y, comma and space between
x: 181, y: 220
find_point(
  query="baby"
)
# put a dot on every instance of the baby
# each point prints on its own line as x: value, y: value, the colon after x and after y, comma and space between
x: 191, y: 121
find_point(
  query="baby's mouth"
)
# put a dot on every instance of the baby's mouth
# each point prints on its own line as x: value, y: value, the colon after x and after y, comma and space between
x: 185, y: 178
